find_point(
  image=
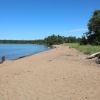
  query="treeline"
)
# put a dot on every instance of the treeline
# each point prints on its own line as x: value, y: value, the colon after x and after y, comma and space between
x: 93, y: 35
x: 21, y: 41
x: 50, y: 40
x: 57, y: 39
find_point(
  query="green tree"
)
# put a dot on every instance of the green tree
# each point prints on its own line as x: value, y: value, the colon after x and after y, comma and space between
x: 53, y: 39
x: 93, y: 36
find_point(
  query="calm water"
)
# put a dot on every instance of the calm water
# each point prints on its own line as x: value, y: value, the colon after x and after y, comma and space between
x: 14, y: 51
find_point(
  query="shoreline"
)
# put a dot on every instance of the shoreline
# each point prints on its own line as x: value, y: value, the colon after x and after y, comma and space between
x: 30, y: 55
x: 49, y: 48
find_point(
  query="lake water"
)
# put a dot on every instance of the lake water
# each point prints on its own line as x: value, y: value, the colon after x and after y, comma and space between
x: 14, y: 51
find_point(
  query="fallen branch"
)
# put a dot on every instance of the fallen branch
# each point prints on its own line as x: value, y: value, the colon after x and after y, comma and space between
x: 94, y: 55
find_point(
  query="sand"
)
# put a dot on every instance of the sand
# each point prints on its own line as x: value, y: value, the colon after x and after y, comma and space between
x: 61, y: 73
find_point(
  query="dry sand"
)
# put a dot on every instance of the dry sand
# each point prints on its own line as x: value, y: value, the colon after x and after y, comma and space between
x: 62, y: 73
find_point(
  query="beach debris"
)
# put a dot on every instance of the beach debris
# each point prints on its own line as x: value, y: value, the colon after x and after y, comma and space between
x: 2, y: 59
x: 98, y: 59
x: 53, y: 46
x: 94, y: 56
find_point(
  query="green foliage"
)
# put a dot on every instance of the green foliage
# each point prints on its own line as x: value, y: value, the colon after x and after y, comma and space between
x: 87, y: 49
x: 22, y: 41
x: 83, y: 41
x: 56, y: 39
x: 93, y: 35
x: 72, y: 39
x: 50, y: 40
x: 94, y: 23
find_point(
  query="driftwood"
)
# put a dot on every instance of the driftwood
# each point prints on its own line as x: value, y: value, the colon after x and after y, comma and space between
x: 94, y: 56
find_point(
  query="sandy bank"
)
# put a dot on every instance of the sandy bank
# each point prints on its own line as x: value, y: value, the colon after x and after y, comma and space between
x: 61, y: 73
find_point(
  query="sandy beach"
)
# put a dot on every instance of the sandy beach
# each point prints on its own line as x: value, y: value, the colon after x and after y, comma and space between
x: 61, y: 73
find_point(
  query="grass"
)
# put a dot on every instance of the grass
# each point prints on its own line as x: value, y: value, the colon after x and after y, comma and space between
x: 87, y: 49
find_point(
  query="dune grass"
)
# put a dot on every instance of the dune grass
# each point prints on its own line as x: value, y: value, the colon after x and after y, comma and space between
x: 87, y: 49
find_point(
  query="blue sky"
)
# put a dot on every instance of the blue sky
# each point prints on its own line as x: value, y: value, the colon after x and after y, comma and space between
x: 36, y: 19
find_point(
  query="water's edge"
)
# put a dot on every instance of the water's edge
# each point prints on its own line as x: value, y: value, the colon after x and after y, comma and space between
x: 30, y: 55
x: 32, y: 49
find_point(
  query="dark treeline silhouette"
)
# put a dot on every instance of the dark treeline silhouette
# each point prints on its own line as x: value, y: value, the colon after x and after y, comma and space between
x: 21, y: 41
x: 50, y: 40
x: 93, y: 34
